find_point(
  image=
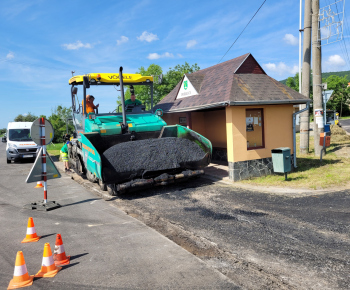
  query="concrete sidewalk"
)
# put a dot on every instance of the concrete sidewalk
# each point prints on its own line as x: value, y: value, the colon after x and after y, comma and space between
x: 109, y: 249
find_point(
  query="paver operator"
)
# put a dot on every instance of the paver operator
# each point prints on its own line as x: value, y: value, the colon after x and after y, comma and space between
x: 90, y: 107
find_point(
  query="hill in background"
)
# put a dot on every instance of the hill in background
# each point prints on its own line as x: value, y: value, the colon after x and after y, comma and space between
x: 327, y: 74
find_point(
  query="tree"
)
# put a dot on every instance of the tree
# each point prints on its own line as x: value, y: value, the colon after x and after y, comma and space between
x: 293, y: 82
x: 170, y: 80
x: 58, y: 119
x: 341, y: 96
x: 26, y: 118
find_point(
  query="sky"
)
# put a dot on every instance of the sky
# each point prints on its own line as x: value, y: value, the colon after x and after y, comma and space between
x: 42, y: 42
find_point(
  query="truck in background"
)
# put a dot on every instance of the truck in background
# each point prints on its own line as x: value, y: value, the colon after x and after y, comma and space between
x: 19, y: 143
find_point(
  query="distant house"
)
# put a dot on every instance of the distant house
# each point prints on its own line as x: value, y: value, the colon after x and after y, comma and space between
x: 240, y: 109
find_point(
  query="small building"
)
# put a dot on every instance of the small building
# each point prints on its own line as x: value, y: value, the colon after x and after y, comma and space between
x: 240, y: 109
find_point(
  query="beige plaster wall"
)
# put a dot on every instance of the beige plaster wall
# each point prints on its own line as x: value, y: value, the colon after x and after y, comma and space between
x: 210, y: 124
x: 278, y: 131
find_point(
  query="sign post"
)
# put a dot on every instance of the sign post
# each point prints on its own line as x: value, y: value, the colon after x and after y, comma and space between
x: 44, y: 168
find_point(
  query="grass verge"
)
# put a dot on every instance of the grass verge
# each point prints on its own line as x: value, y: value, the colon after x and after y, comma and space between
x: 334, y: 171
x: 54, y: 149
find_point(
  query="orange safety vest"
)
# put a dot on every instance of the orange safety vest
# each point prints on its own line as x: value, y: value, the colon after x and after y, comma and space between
x: 89, y: 107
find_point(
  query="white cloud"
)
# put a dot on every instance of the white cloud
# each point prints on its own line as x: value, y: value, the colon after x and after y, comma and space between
x: 157, y: 56
x: 180, y: 55
x: 147, y: 36
x: 25, y: 114
x: 281, y: 68
x: 77, y: 45
x: 122, y: 39
x: 191, y: 43
x: 10, y: 55
x: 291, y: 39
x: 336, y: 60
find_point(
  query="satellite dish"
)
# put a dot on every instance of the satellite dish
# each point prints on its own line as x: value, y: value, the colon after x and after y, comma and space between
x: 160, y: 79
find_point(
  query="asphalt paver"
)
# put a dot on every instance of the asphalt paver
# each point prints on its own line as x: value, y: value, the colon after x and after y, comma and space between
x: 109, y: 249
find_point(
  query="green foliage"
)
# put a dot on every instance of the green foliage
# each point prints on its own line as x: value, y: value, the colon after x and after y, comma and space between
x: 170, y: 80
x: 341, y: 96
x: 293, y: 82
x: 2, y: 131
x: 338, y: 82
x: 58, y: 120
x: 326, y: 75
x: 25, y: 118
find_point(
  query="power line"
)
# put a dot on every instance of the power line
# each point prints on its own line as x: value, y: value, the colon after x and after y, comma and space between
x: 342, y: 43
x: 346, y: 50
x: 242, y: 31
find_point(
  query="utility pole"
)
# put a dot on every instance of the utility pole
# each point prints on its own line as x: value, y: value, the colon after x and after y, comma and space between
x: 317, y: 78
x: 305, y: 82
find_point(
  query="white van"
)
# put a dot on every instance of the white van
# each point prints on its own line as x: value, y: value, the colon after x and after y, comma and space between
x: 19, y: 144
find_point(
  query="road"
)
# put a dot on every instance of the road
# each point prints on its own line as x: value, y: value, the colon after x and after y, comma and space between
x: 345, y: 124
x: 109, y: 249
x: 258, y: 239
x: 255, y: 239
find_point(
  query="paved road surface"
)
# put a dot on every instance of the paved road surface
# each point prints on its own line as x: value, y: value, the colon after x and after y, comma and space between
x: 261, y: 240
x: 345, y: 125
x: 109, y: 249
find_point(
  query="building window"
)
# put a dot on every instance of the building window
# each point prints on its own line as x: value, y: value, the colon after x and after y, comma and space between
x: 255, y: 129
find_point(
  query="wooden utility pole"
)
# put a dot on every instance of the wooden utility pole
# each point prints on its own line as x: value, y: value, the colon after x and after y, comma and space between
x: 305, y: 89
x: 317, y: 78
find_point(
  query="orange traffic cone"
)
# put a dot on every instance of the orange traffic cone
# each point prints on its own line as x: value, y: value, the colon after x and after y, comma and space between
x: 21, y: 277
x: 39, y: 184
x: 48, y: 267
x: 31, y: 235
x: 59, y: 255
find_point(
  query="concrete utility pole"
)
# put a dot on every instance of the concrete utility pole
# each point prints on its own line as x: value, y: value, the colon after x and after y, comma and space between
x: 305, y: 82
x: 317, y: 78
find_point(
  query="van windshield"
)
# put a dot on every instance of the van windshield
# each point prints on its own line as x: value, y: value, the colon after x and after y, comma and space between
x: 19, y: 135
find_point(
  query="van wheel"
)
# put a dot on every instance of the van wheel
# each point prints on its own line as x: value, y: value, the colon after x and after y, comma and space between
x: 8, y: 160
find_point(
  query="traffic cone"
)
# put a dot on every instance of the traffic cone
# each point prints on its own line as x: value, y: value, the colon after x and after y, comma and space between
x: 48, y: 267
x: 21, y: 277
x: 59, y: 255
x: 39, y: 184
x: 31, y: 235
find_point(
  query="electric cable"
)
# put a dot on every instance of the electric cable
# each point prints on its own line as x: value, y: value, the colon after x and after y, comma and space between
x: 242, y: 31
x: 343, y: 40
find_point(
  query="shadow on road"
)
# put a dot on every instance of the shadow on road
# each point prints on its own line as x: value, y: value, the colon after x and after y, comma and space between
x: 45, y: 236
x: 78, y: 256
x: 78, y: 202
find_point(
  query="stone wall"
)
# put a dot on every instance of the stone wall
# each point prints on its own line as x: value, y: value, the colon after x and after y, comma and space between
x: 251, y: 168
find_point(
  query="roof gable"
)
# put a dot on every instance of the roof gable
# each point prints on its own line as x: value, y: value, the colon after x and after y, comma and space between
x: 250, y: 66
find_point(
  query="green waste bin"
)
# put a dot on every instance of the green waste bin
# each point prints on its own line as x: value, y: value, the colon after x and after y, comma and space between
x: 281, y: 160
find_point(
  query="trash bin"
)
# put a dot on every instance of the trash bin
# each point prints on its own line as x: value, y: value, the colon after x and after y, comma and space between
x: 281, y: 160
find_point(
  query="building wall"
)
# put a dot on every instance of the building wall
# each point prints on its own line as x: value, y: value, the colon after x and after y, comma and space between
x: 210, y: 124
x: 278, y: 131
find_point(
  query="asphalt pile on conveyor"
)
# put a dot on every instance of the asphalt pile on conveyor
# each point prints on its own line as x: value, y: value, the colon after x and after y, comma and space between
x: 150, y: 155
